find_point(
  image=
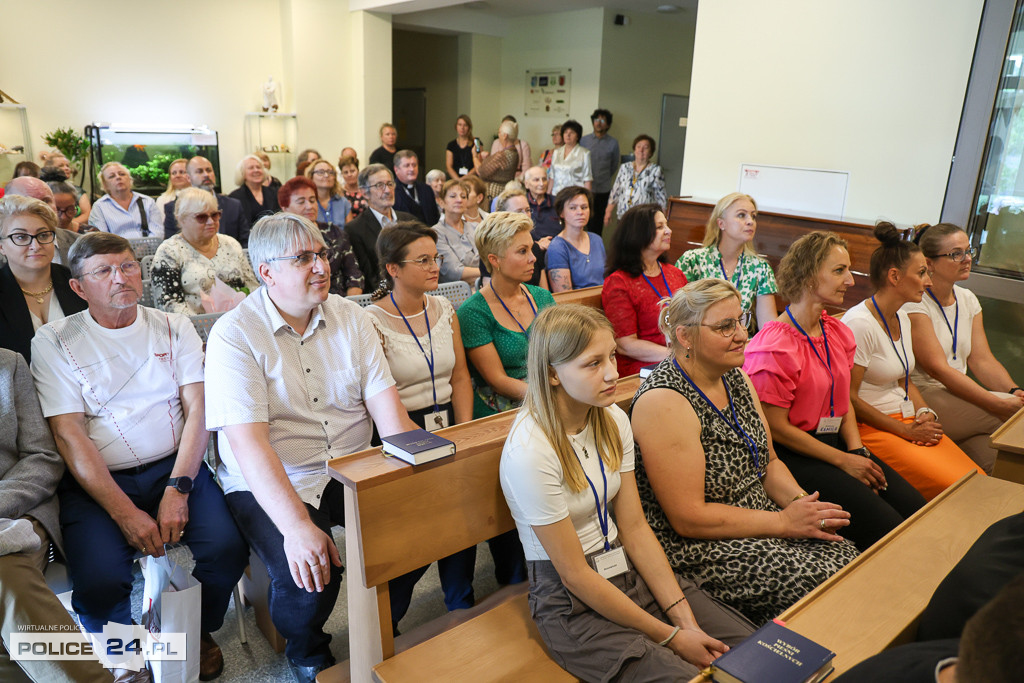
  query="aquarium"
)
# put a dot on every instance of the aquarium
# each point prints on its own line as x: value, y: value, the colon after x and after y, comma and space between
x: 147, y: 151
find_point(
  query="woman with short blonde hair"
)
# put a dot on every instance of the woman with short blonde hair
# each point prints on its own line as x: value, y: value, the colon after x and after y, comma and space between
x: 257, y: 198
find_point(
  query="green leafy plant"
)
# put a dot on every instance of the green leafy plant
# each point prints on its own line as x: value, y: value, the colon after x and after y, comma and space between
x: 69, y: 143
x: 155, y: 171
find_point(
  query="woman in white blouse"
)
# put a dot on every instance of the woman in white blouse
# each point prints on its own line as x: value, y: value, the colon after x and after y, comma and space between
x: 949, y: 337
x: 421, y: 340
x: 570, y: 163
x: 199, y: 270
x: 602, y: 593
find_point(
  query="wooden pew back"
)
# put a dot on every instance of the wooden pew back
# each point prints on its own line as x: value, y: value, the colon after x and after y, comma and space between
x: 588, y: 296
x: 775, y: 232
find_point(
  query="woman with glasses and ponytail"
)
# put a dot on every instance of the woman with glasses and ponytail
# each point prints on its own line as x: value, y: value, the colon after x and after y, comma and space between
x: 800, y: 363
x: 727, y: 511
x: 895, y: 421
x: 605, y: 599
x: 423, y: 346
x: 33, y: 289
x: 949, y: 338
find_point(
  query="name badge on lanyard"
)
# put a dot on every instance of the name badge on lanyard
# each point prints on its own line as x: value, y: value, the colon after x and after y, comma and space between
x: 611, y: 563
x: 907, y: 408
x: 434, y: 421
x: 906, y: 405
x: 829, y: 425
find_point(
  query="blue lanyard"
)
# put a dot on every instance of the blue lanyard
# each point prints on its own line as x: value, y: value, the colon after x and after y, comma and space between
x: 663, y: 279
x: 430, y: 340
x: 528, y: 300
x: 602, y: 516
x: 735, y: 273
x: 956, y: 320
x: 735, y: 425
x: 827, y: 361
x: 905, y: 359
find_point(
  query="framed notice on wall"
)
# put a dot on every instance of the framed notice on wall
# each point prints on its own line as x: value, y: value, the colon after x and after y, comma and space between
x: 547, y: 92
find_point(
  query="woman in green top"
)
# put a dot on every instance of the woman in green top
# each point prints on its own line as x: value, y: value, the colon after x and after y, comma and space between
x: 728, y: 253
x: 495, y: 320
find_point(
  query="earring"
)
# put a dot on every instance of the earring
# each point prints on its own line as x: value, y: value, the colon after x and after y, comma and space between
x: 687, y: 351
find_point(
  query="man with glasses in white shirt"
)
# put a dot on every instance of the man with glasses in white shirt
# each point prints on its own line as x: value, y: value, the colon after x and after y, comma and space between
x: 122, y: 388
x: 295, y: 375
x: 378, y: 185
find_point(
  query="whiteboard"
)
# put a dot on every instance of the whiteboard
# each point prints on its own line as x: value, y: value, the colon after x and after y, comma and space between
x: 803, y: 191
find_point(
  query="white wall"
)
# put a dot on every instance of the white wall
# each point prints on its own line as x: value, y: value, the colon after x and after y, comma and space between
x: 873, y: 87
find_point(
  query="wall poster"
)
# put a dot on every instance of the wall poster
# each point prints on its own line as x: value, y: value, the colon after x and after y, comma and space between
x: 547, y: 92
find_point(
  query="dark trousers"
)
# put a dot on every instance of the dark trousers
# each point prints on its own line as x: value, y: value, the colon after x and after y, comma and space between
x: 100, y: 558
x: 872, y: 515
x: 596, y: 224
x: 298, y: 615
x: 456, y: 572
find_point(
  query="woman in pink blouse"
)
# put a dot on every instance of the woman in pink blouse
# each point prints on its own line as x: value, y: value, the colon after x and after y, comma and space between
x: 800, y: 365
x: 639, y: 277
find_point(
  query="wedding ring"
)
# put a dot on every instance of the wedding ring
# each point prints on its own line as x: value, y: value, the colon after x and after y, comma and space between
x: 821, y: 524
x: 143, y: 549
x: 181, y: 534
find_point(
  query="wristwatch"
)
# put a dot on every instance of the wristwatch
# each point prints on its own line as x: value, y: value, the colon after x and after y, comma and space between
x: 181, y: 484
x: 863, y: 450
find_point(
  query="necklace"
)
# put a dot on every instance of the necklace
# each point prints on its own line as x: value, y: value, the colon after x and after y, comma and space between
x: 577, y: 444
x: 38, y: 296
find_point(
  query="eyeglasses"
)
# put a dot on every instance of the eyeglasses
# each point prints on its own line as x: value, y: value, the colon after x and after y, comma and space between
x: 68, y: 210
x: 958, y: 255
x: 323, y: 172
x: 23, y: 239
x: 390, y: 185
x: 303, y: 260
x: 204, y: 218
x: 425, y: 262
x: 727, y: 326
x: 128, y: 269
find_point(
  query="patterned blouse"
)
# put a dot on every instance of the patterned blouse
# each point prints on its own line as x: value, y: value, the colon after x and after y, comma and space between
x: 358, y: 201
x: 632, y: 189
x: 345, y: 271
x: 181, y: 274
x: 753, y: 276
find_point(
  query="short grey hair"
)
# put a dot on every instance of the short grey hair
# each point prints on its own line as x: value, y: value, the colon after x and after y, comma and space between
x: 240, y: 169
x: 435, y: 174
x: 193, y: 200
x: 509, y: 128
x: 372, y: 170
x: 273, y: 236
x: 14, y: 205
x: 501, y: 204
x: 403, y: 154
x: 93, y: 244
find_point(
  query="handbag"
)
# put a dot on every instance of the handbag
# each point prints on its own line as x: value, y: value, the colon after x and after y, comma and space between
x: 171, y: 603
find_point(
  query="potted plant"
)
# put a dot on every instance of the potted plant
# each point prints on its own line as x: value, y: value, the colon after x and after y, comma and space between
x: 68, y: 143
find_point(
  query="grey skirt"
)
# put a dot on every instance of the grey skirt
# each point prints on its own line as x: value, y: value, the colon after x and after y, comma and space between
x: 591, y: 647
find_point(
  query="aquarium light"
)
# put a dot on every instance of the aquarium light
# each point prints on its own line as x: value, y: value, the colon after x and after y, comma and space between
x: 154, y: 128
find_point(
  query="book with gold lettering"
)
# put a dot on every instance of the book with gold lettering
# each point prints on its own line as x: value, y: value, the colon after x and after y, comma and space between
x: 774, y: 654
x: 417, y: 446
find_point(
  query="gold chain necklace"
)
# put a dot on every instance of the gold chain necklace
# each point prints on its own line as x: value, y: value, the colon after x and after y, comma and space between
x: 38, y: 296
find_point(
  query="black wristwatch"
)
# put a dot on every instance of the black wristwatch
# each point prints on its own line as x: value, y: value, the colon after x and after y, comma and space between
x: 181, y: 484
x: 863, y: 450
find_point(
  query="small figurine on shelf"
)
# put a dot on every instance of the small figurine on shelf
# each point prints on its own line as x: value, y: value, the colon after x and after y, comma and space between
x: 270, y: 95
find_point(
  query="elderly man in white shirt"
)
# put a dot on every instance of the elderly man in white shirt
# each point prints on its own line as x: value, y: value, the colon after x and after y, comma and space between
x: 294, y: 375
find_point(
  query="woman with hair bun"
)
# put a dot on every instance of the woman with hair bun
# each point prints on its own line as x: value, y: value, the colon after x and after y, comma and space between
x: 949, y: 337
x: 602, y: 593
x: 728, y: 512
x: 800, y: 365
x: 894, y: 421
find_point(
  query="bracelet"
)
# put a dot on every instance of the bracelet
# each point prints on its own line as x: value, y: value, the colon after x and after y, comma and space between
x: 674, y: 604
x: 671, y: 636
x: 926, y: 409
x: 798, y: 496
x: 1013, y: 389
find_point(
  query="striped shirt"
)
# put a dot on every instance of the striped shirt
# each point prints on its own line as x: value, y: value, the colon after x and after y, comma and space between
x: 109, y: 216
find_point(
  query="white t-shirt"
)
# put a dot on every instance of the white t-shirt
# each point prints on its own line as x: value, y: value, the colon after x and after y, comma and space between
x: 535, y: 490
x: 970, y: 308
x: 883, y: 384
x: 408, y: 361
x: 125, y: 380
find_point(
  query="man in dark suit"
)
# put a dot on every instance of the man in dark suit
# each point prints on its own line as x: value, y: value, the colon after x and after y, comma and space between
x: 232, y: 220
x: 377, y: 184
x: 412, y: 196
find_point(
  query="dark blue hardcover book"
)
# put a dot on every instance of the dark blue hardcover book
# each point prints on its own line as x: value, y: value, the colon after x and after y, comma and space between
x: 417, y: 446
x: 774, y: 654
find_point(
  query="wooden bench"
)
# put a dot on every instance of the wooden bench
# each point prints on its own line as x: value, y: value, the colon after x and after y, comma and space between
x: 1008, y: 441
x: 588, y: 296
x: 775, y: 232
x: 875, y: 602
x: 400, y: 518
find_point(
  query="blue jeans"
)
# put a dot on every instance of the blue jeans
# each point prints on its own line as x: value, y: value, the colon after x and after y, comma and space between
x: 298, y: 615
x: 100, y: 558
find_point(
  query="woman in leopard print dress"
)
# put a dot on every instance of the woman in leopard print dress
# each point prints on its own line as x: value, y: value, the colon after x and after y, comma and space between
x: 729, y: 514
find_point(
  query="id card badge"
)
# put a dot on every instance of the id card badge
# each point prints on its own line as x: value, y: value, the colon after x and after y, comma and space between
x: 611, y: 563
x: 907, y: 408
x: 829, y: 425
x: 463, y: 171
x: 434, y: 421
